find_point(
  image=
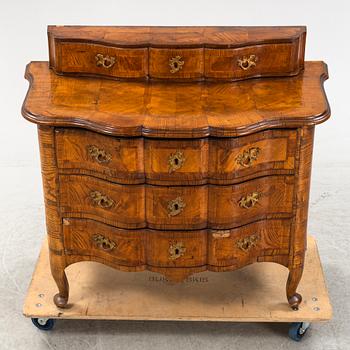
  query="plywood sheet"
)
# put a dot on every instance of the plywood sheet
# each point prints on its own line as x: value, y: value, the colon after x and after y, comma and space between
x: 255, y: 293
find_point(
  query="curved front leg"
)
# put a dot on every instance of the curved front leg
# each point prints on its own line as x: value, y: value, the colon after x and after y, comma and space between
x: 294, y: 277
x: 57, y: 264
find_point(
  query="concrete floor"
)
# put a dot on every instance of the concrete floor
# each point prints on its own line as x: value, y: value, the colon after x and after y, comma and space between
x: 22, y: 229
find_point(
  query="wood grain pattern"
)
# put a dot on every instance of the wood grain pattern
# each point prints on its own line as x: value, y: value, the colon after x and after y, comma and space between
x: 125, y: 159
x: 129, y: 250
x: 127, y: 210
x: 192, y: 167
x: 271, y: 60
x: 171, y: 176
x: 81, y: 58
x: 276, y: 156
x: 194, y: 244
x: 273, y: 240
x: 176, y: 110
x: 192, y: 216
x: 275, y: 200
x: 279, y: 51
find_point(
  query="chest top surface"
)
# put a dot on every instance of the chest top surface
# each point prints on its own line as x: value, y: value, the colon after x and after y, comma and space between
x: 171, y: 109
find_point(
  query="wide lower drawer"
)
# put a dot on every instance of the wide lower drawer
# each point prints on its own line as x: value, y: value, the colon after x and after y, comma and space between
x: 244, y: 245
x: 259, y: 241
x: 104, y: 60
x: 94, y: 239
x: 176, y: 207
x: 87, y: 197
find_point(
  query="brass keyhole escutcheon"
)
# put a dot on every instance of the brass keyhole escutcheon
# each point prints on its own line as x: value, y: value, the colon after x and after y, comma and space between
x: 176, y: 206
x: 176, y: 64
x: 247, y: 158
x: 104, y: 61
x: 176, y: 250
x: 246, y: 63
x: 176, y: 161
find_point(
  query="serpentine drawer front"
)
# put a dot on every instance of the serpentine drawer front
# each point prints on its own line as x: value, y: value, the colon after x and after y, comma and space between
x: 208, y: 53
x: 178, y: 163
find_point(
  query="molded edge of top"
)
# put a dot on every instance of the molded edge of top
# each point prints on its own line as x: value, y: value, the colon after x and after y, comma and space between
x: 141, y: 130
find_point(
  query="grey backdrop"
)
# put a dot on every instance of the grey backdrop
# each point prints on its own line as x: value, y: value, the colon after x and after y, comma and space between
x: 23, y: 38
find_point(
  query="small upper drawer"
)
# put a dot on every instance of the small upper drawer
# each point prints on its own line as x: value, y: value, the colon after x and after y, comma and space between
x: 241, y: 158
x: 252, y: 61
x: 84, y: 152
x: 95, y: 59
x: 176, y: 161
x: 176, y: 63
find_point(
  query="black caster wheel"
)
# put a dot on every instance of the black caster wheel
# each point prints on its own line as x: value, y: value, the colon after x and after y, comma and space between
x: 44, y: 324
x: 297, y: 330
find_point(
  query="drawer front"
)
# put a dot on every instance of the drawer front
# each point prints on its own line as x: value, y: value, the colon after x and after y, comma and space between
x: 176, y: 207
x: 252, y: 61
x: 91, y: 238
x: 87, y: 197
x: 86, y: 58
x: 243, y: 245
x: 176, y: 249
x: 176, y: 161
x: 236, y: 205
x: 267, y: 152
x: 176, y: 63
x: 86, y: 152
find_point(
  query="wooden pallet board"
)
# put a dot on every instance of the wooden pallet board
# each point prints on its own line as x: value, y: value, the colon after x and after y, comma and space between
x: 255, y: 293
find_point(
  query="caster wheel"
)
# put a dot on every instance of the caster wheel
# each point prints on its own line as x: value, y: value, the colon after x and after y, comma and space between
x: 44, y: 324
x: 297, y: 330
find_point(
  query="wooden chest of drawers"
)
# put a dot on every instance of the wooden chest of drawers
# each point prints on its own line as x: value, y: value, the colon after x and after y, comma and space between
x: 156, y: 170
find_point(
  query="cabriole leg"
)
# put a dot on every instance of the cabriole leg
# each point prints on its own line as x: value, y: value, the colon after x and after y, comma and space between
x: 294, y: 277
x: 59, y: 275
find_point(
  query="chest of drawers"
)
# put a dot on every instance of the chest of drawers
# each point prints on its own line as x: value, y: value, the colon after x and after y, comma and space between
x: 177, y: 163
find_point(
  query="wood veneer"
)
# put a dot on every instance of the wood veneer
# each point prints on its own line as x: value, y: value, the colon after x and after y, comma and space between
x: 171, y: 176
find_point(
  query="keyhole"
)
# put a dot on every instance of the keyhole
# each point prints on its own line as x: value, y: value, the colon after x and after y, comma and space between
x: 175, y: 65
x: 176, y: 161
x: 245, y: 64
x: 176, y: 206
x: 177, y: 251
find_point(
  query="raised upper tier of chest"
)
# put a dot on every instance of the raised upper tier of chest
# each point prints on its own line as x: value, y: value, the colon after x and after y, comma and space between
x: 190, y: 53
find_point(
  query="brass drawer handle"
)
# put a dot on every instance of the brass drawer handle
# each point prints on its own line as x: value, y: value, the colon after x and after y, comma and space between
x: 99, y: 155
x: 248, y: 243
x: 247, y: 158
x: 103, y: 242
x: 101, y: 200
x: 250, y: 200
x: 176, y: 64
x: 176, y: 206
x: 176, y: 250
x: 246, y: 63
x: 176, y: 161
x: 104, y: 61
